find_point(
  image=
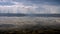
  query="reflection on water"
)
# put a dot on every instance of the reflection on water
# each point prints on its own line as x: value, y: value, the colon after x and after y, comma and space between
x: 28, y: 20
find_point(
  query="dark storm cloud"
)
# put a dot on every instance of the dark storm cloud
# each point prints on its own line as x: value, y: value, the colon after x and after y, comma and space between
x: 49, y: 2
x: 29, y: 2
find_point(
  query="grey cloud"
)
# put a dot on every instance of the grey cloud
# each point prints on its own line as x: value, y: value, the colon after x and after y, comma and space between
x: 49, y: 2
x: 6, y: 3
x: 44, y: 6
x: 30, y: 2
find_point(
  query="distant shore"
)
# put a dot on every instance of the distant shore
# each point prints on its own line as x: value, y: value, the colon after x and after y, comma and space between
x: 31, y: 15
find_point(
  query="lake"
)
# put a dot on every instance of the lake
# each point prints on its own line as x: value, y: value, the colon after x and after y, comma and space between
x: 29, y: 20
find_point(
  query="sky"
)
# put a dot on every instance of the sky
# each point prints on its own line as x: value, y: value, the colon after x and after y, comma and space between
x: 30, y: 6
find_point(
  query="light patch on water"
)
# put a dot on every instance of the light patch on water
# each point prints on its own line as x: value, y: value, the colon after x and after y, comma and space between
x: 29, y: 20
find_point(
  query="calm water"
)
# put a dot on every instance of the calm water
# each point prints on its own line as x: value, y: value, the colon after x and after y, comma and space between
x: 28, y: 20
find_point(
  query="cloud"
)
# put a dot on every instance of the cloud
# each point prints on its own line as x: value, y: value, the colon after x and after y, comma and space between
x: 30, y: 6
x: 30, y: 9
x: 6, y: 2
x: 18, y: 8
x: 48, y: 2
x: 49, y: 9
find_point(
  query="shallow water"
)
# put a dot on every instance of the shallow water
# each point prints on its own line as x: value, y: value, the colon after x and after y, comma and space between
x: 27, y: 20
